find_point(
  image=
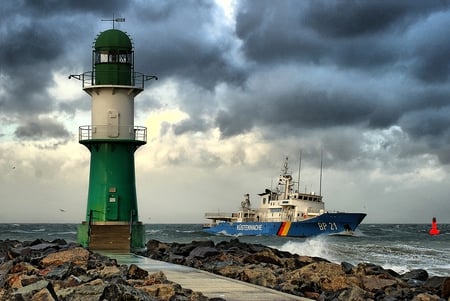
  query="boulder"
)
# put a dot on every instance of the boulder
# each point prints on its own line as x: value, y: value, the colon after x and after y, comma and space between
x: 109, y: 271
x: 78, y: 256
x: 43, y: 295
x: 135, y: 272
x: 417, y: 274
x: 329, y: 276
x: 263, y: 256
x: 202, y: 252
x: 90, y: 291
x: 439, y: 284
x: 162, y: 291
x: 27, y: 292
x: 119, y: 292
x: 355, y: 293
x: 365, y: 268
x: 347, y: 267
x: 69, y: 272
x: 5, y: 268
x: 426, y: 297
x: 374, y: 283
x: 60, y: 272
x: 259, y: 276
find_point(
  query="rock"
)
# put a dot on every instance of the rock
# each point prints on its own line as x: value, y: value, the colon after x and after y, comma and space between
x: 418, y: 274
x: 177, y: 259
x: 119, y: 292
x: 263, y: 256
x: 355, y: 293
x: 14, y: 281
x: 231, y: 271
x: 90, y: 291
x: 43, y: 295
x: 300, y: 275
x: 186, y: 249
x: 78, y: 256
x: 202, y: 252
x: 4, y: 271
x: 109, y: 272
x: 27, y: 292
x: 60, y: 272
x: 23, y: 267
x: 347, y: 267
x: 426, y: 297
x: 259, y: 276
x: 68, y: 272
x: 373, y: 283
x: 329, y: 276
x: 162, y: 291
x: 440, y: 284
x: 18, y: 252
x: 135, y: 272
x: 29, y: 279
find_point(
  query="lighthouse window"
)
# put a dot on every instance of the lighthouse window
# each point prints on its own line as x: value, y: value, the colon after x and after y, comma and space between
x: 103, y: 57
x: 123, y: 58
x: 112, y: 57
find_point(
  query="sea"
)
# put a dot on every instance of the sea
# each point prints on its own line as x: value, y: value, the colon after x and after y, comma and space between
x: 400, y: 247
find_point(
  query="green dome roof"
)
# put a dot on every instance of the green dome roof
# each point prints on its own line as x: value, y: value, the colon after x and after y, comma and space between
x: 113, y: 39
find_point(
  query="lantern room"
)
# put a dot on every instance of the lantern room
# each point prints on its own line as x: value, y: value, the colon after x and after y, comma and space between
x: 113, y: 59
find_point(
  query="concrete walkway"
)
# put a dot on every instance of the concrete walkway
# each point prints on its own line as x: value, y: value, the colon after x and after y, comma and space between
x: 209, y: 284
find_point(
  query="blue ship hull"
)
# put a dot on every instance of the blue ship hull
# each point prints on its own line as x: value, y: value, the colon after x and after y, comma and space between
x: 326, y: 223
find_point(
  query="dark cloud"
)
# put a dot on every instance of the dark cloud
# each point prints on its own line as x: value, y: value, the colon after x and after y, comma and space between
x: 41, y: 129
x: 349, y: 19
x: 285, y: 67
x: 357, y: 34
x: 40, y: 38
x: 185, y: 40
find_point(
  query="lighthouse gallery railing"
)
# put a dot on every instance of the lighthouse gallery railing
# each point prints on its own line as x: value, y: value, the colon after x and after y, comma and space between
x: 138, y: 133
x: 137, y: 79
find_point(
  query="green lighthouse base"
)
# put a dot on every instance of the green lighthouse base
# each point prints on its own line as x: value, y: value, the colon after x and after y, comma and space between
x: 112, y: 236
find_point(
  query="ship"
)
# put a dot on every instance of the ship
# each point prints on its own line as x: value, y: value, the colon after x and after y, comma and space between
x: 284, y: 211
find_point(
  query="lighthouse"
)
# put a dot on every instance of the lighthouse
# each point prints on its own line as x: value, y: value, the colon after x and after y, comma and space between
x: 112, y: 220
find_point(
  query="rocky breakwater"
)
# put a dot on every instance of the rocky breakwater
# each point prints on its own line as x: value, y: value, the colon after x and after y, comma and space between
x: 310, y: 277
x: 58, y: 271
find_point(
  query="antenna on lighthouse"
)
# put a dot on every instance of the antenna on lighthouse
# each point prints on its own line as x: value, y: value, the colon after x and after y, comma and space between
x: 113, y: 20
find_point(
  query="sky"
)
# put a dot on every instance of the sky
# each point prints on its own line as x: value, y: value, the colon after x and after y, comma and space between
x: 242, y: 85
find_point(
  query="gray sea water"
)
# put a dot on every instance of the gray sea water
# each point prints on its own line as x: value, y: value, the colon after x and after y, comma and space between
x: 401, y: 247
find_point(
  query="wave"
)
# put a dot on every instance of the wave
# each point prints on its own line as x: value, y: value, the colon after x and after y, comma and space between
x: 21, y: 231
x: 186, y: 231
x: 63, y: 233
x: 314, y: 247
x: 39, y: 230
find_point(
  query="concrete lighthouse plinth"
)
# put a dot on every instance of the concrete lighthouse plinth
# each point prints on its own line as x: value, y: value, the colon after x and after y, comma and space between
x: 112, y: 220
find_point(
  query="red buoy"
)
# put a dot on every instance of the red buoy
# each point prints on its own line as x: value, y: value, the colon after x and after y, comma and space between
x: 434, y: 230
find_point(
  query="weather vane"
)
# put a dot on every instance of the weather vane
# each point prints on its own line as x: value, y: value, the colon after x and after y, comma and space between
x: 113, y: 20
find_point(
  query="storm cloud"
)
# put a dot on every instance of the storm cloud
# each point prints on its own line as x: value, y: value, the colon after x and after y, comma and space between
x: 366, y: 82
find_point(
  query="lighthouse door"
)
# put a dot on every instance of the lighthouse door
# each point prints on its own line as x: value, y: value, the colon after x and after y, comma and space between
x: 113, y: 123
x: 112, y: 208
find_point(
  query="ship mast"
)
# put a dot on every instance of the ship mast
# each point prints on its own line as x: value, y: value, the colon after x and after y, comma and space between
x: 299, y: 168
x: 320, y: 183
